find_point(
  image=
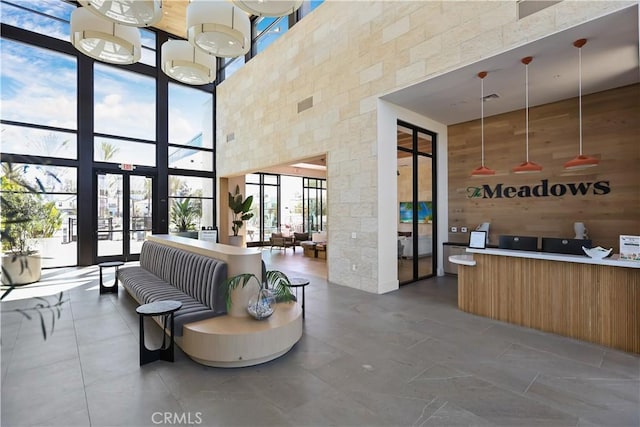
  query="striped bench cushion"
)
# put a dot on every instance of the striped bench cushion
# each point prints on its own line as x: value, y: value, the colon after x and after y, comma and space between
x: 170, y: 273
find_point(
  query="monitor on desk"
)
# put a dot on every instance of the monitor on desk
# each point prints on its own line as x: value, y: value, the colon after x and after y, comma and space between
x: 565, y: 246
x: 478, y: 239
x: 521, y: 243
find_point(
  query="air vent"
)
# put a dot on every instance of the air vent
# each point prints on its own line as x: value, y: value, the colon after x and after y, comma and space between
x: 491, y: 97
x: 529, y: 7
x: 231, y: 136
x: 305, y: 104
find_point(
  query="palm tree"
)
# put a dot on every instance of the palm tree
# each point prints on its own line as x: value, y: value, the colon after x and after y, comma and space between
x: 184, y: 214
x: 108, y: 150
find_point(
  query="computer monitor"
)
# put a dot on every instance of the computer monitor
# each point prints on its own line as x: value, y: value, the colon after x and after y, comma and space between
x: 520, y: 243
x: 565, y: 246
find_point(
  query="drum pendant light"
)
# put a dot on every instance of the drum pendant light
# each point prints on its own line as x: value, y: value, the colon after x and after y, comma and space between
x: 582, y: 161
x: 186, y: 63
x: 268, y: 7
x: 136, y: 13
x: 527, y: 166
x: 482, y: 170
x: 104, y: 40
x: 219, y: 28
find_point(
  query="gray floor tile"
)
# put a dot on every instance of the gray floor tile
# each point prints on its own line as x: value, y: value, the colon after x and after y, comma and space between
x: 102, y: 327
x: 625, y: 363
x: 130, y: 400
x: 409, y: 357
x: 101, y: 361
x: 565, y: 347
x: 35, y: 396
x: 448, y: 414
x: 607, y: 402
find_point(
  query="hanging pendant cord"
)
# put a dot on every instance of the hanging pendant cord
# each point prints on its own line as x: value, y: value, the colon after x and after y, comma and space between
x: 526, y: 62
x: 580, y: 95
x: 482, y: 115
x: 527, y: 109
x: 482, y: 75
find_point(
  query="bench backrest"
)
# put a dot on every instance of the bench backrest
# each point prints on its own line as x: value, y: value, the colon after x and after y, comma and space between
x: 200, y: 276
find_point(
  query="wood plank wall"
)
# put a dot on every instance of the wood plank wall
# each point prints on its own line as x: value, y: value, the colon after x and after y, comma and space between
x: 611, y: 132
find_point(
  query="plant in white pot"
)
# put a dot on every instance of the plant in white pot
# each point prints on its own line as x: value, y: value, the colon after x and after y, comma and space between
x: 241, y: 209
x: 25, y: 216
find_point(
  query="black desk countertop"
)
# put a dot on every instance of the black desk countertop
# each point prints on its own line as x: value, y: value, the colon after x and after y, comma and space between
x: 466, y: 244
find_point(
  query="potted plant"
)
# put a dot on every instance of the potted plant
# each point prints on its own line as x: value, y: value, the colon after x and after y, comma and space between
x: 25, y: 216
x: 241, y: 209
x: 273, y: 289
x: 184, y: 216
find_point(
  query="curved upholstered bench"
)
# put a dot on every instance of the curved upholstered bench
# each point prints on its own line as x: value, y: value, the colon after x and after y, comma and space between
x: 167, y: 273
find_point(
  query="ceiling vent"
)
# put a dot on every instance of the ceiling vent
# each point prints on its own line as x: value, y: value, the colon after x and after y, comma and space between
x: 305, y: 104
x: 529, y: 7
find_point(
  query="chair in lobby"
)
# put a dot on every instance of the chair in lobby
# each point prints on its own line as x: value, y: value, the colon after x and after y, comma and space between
x: 279, y: 241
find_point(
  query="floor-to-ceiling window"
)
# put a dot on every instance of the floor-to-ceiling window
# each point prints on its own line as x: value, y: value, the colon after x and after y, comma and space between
x: 127, y: 140
x: 285, y: 204
x: 416, y: 177
x: 39, y: 141
x: 315, y: 204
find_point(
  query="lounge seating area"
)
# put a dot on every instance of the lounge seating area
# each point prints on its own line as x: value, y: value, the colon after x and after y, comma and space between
x: 280, y: 241
x: 316, y: 247
x: 193, y: 272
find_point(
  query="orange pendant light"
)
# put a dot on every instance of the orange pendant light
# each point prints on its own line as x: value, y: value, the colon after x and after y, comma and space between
x: 582, y: 161
x: 482, y: 170
x: 527, y: 166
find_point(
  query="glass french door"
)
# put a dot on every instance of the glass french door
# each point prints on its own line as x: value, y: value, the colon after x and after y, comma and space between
x: 124, y: 214
x: 416, y: 178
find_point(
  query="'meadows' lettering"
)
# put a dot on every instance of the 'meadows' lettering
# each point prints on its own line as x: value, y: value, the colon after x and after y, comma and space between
x: 499, y: 191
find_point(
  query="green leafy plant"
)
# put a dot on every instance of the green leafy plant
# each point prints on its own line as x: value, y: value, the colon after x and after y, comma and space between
x: 275, y: 280
x: 25, y: 215
x: 185, y: 214
x: 241, y: 209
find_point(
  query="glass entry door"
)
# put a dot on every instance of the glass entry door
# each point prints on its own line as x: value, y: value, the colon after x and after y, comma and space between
x: 124, y: 215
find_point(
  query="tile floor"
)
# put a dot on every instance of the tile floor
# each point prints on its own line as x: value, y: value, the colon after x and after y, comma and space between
x: 408, y: 358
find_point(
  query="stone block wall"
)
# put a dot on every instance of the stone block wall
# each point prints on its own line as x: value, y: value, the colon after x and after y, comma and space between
x: 345, y: 55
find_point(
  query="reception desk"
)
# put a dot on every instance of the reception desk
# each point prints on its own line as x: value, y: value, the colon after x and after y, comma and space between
x: 571, y: 295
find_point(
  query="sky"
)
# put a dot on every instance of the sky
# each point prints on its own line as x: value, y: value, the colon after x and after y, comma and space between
x: 38, y: 86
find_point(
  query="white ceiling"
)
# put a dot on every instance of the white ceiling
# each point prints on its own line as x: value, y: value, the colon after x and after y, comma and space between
x: 609, y: 60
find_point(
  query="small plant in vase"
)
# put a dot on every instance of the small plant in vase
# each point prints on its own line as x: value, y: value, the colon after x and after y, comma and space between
x: 274, y: 289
